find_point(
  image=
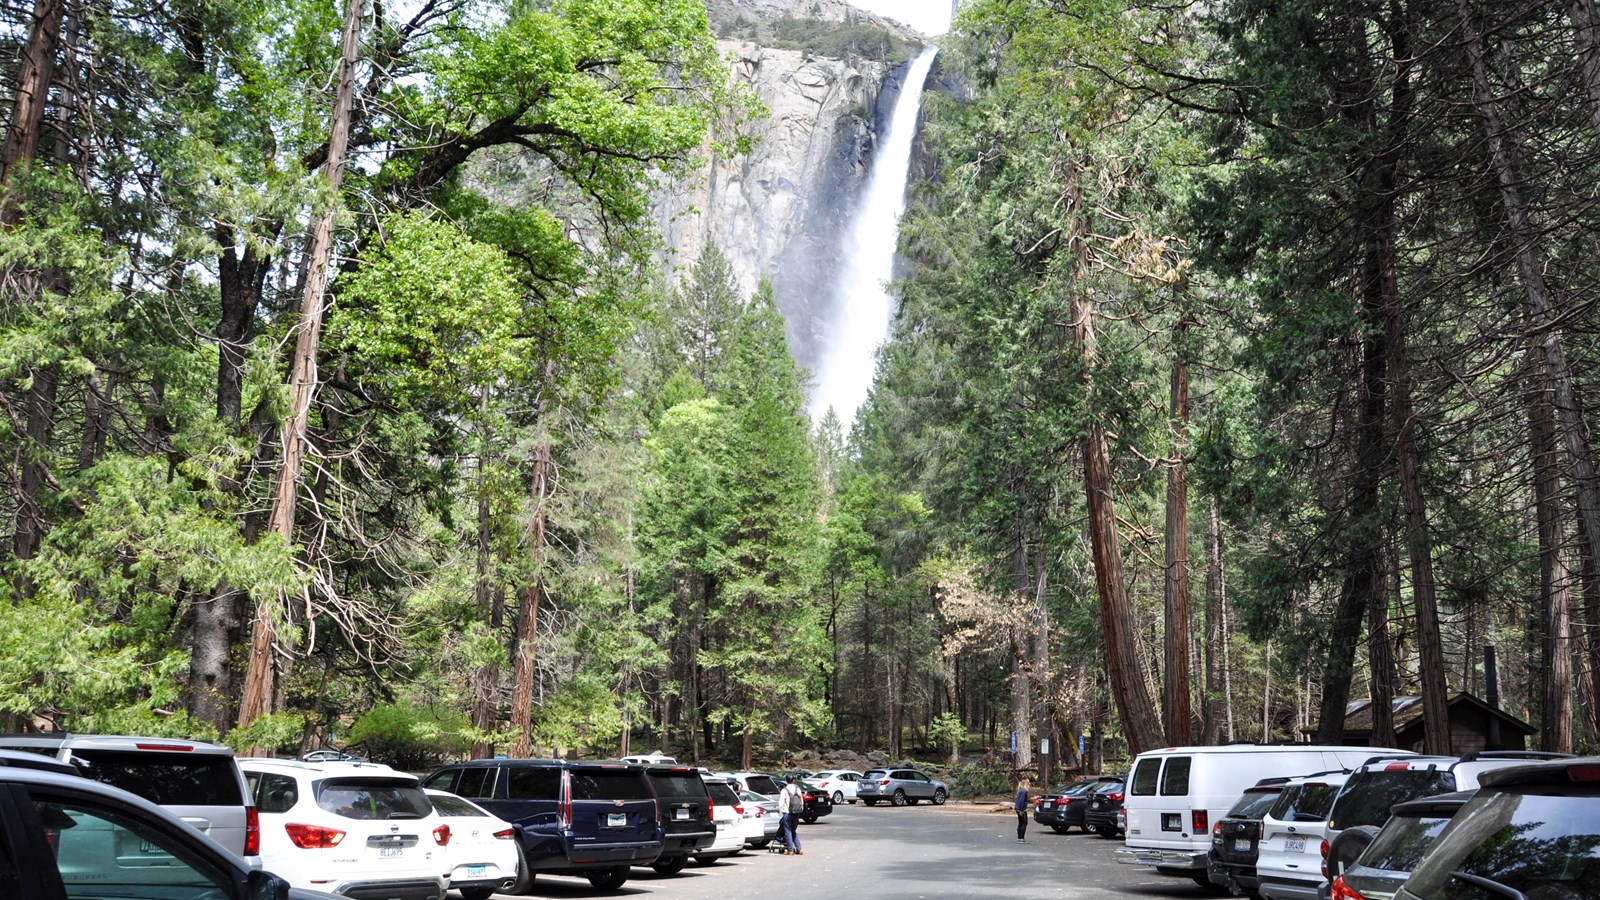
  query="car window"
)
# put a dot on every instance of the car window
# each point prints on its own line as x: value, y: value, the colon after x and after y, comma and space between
x: 273, y: 793
x: 874, y: 773
x: 1403, y: 842
x: 1175, y: 776
x: 10, y: 881
x: 476, y: 784
x: 677, y: 785
x: 762, y: 784
x: 455, y: 806
x: 1368, y: 796
x: 1543, y: 843
x: 167, y: 779
x: 532, y: 783
x: 608, y: 784
x: 358, y: 798
x: 721, y: 793
x: 1253, y: 805
x: 105, y: 853
x: 1144, y: 777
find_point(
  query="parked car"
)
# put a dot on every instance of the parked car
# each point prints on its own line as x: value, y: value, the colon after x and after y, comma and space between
x: 1400, y: 844
x: 764, y: 811
x: 727, y: 815
x: 327, y: 755
x: 70, y: 836
x: 1060, y: 810
x: 818, y: 801
x: 1103, y: 813
x: 1294, y: 840
x: 592, y: 819
x: 760, y: 782
x: 357, y: 829
x: 1236, y: 838
x: 1176, y: 793
x: 482, y: 852
x: 651, y: 759
x: 1375, y: 787
x: 197, y: 781
x: 839, y: 783
x: 1531, y: 831
x: 685, y: 810
x: 900, y: 787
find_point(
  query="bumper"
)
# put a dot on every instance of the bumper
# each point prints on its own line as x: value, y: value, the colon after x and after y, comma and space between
x: 1186, y: 860
x: 406, y: 889
x: 1284, y: 889
x: 685, y: 843
x: 1238, y: 879
x: 589, y: 856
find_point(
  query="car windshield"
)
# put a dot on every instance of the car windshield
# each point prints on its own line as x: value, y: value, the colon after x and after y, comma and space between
x: 1253, y: 805
x: 608, y: 784
x: 455, y: 806
x: 1109, y: 788
x: 168, y: 779
x: 875, y: 773
x: 1304, y: 802
x: 721, y: 793
x: 677, y: 784
x: 360, y: 798
x: 1402, y: 843
x: 1368, y: 797
x: 762, y: 784
x: 1544, y: 842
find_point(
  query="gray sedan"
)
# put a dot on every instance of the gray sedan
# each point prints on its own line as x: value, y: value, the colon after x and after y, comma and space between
x: 900, y: 787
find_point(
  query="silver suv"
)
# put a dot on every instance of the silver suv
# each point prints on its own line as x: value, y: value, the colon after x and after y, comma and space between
x: 196, y: 781
x: 900, y: 787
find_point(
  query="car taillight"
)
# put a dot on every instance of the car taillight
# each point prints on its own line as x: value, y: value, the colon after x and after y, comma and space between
x: 313, y: 837
x: 252, y: 831
x: 738, y: 809
x: 1217, y: 828
x: 506, y: 834
x: 166, y: 748
x: 1114, y: 798
x: 1342, y: 891
x: 810, y: 798
x: 564, y: 809
x: 884, y: 783
x: 1261, y: 830
x: 1200, y: 820
x: 1583, y: 774
x: 1324, y: 857
x: 441, y: 835
x: 711, y: 809
x: 1396, y: 767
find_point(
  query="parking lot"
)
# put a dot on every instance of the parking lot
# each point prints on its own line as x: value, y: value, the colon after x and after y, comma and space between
x: 906, y: 853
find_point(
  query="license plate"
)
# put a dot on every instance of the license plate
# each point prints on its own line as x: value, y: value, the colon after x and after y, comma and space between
x: 616, y: 820
x: 1095, y: 805
x: 1241, y: 845
x: 1294, y: 845
x: 681, y: 815
x: 477, y: 871
x: 390, y: 852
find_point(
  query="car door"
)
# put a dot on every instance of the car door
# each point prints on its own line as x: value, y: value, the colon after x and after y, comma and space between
x: 26, y: 863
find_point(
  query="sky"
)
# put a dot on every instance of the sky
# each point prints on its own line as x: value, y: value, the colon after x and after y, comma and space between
x: 930, y: 17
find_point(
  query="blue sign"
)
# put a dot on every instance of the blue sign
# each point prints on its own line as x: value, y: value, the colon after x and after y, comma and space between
x: 1013, y: 743
x: 1080, y: 745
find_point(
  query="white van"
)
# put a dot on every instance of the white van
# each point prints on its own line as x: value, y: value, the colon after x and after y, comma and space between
x: 1176, y: 794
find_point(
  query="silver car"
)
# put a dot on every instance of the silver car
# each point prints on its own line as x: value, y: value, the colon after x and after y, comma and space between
x: 900, y: 787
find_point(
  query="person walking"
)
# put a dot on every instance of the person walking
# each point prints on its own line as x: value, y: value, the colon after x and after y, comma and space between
x: 791, y: 803
x: 1021, y: 806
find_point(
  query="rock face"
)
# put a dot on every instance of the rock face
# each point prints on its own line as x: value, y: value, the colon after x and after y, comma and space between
x: 779, y: 211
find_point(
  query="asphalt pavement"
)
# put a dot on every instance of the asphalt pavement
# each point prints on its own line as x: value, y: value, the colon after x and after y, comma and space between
x: 910, y: 853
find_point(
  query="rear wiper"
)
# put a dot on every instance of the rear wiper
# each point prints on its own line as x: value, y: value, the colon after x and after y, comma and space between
x: 1490, y: 885
x: 404, y: 815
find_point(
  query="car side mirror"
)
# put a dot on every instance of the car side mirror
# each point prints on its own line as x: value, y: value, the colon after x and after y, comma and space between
x: 267, y: 886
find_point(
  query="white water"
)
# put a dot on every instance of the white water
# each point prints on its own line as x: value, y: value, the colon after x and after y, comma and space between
x: 861, y: 305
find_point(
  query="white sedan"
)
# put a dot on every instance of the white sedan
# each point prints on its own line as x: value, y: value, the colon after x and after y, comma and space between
x: 760, y: 819
x: 839, y: 783
x: 482, y: 852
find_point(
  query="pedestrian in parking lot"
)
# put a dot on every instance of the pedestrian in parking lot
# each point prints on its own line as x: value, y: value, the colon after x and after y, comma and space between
x: 1022, y: 809
x: 791, y: 803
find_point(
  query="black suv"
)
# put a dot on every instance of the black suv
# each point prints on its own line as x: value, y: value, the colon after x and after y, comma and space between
x: 575, y: 818
x: 1236, y: 838
x: 1530, y: 831
x: 684, y: 805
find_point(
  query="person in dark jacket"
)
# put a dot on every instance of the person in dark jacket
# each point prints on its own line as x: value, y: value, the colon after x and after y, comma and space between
x: 1021, y: 806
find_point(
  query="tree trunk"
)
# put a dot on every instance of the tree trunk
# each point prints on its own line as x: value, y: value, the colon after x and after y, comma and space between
x: 1176, y: 705
x: 1140, y: 722
x: 1590, y: 580
x: 1586, y: 40
x: 260, y: 685
x: 1021, y: 697
x: 31, y: 96
x: 1215, y: 656
x: 528, y: 606
x: 1381, y: 668
x: 486, y: 680
x: 1539, y: 300
x: 1555, y: 580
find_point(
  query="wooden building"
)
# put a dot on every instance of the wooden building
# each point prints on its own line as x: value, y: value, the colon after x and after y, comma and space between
x: 1474, y: 725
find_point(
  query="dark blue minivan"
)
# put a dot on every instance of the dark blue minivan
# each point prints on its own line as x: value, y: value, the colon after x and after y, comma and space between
x: 575, y: 818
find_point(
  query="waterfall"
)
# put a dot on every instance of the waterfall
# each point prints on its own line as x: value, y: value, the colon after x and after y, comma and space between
x: 861, y: 308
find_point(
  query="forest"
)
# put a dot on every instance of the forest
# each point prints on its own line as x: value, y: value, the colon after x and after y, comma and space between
x: 1241, y: 371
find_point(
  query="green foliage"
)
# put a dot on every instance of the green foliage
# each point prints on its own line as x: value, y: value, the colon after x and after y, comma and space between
x: 272, y: 733
x: 410, y: 736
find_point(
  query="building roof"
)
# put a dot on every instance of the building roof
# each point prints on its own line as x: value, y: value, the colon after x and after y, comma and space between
x: 1408, y: 710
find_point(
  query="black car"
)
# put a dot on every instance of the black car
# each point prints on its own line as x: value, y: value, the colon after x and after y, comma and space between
x: 592, y: 819
x: 685, y: 809
x: 1105, y: 802
x: 1236, y: 838
x: 1060, y: 810
x: 818, y: 803
x: 1530, y: 831
x: 64, y: 835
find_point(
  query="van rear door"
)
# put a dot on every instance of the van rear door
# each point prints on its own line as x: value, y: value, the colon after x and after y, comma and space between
x: 610, y: 805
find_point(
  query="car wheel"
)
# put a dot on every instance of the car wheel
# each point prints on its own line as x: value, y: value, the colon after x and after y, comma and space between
x: 703, y: 860
x: 1106, y: 831
x: 609, y: 879
x: 762, y: 845
x: 1061, y: 829
x: 670, y: 865
x: 870, y: 802
x: 525, y: 874
x: 899, y: 798
x: 939, y: 796
x: 809, y: 820
x: 838, y: 798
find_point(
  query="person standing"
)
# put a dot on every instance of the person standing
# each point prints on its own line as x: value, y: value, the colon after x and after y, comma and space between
x: 1021, y: 806
x: 791, y: 803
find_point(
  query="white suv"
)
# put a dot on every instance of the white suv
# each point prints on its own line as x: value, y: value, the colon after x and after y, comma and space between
x: 1294, y: 837
x: 352, y: 828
